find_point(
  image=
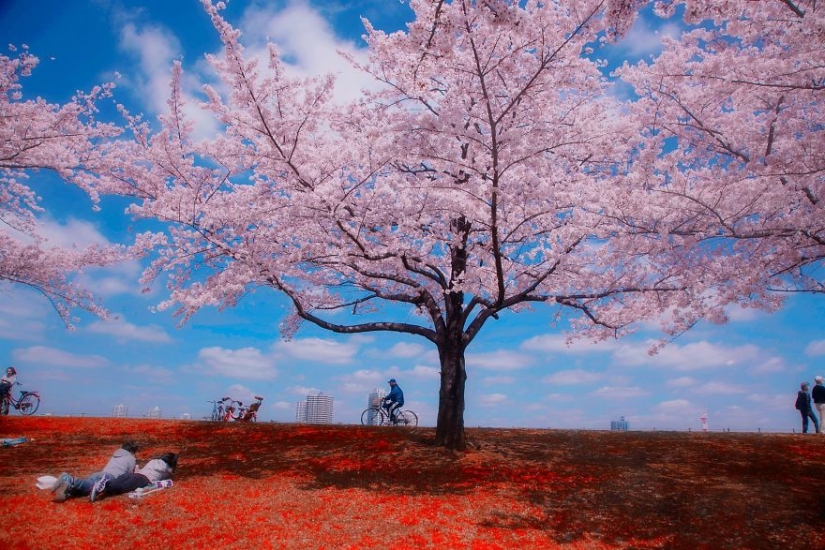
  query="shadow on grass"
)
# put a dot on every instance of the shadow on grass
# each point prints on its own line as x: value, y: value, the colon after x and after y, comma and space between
x: 690, y: 490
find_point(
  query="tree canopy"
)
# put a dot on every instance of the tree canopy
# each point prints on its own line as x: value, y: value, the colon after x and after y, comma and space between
x: 493, y: 167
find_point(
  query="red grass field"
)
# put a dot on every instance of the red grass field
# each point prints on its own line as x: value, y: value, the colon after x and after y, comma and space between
x: 348, y: 487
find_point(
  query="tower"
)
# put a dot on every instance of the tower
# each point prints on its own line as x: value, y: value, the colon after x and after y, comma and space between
x: 317, y: 409
x: 374, y: 400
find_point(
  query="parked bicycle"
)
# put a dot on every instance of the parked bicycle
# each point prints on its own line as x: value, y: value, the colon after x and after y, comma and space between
x: 27, y: 403
x: 250, y: 414
x: 227, y: 409
x: 378, y: 416
x: 218, y: 411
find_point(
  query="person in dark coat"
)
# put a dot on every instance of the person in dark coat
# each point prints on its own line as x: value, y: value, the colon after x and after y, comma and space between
x: 803, y: 404
x: 394, y: 400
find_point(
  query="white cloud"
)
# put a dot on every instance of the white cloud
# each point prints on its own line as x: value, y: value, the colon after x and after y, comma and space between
x: 122, y: 278
x: 307, y: 44
x: 642, y: 40
x: 675, y: 406
x: 74, y: 233
x: 156, y: 48
x: 720, y: 388
x: 303, y: 391
x: 817, y: 347
x: 770, y: 365
x: 499, y: 360
x: 124, y: 331
x: 406, y: 350
x: 690, y: 357
x: 571, y: 377
x: 492, y: 399
x: 610, y: 392
x: 149, y: 372
x: 776, y: 402
x: 682, y: 382
x: 244, y: 363
x: 22, y: 314
x: 740, y: 314
x: 421, y: 372
x: 553, y: 343
x: 319, y: 350
x: 42, y: 355
x: 498, y: 380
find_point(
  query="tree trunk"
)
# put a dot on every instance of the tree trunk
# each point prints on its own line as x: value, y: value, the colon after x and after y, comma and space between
x: 449, y: 430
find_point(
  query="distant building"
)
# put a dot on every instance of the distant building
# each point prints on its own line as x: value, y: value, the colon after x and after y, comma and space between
x: 120, y: 411
x: 374, y: 400
x: 619, y: 425
x: 317, y: 409
x: 186, y: 416
x: 155, y: 412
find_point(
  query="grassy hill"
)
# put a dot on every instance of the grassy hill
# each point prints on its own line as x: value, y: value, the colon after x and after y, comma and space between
x: 299, y: 486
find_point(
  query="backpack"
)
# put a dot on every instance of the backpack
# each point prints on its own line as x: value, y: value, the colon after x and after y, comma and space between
x: 800, y: 401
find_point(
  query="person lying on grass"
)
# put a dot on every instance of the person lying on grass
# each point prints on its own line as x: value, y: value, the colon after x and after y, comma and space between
x: 155, y: 470
x: 122, y: 462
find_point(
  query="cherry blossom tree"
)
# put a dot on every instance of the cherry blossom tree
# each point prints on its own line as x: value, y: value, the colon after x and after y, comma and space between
x: 34, y: 136
x: 733, y: 113
x: 489, y: 173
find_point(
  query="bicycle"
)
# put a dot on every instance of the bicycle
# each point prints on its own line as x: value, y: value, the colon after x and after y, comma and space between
x: 378, y: 416
x: 27, y: 403
x: 237, y: 412
x: 218, y: 413
x: 250, y: 414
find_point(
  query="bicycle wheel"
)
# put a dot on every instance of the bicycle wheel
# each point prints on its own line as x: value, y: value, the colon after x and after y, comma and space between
x: 407, y: 419
x: 29, y: 404
x: 373, y: 416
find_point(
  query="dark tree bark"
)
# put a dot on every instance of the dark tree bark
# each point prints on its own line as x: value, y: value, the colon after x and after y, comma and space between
x: 450, y: 425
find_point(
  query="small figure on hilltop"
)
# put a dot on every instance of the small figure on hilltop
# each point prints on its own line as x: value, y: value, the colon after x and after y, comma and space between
x: 7, y: 381
x: 122, y: 462
x: 157, y: 469
x: 803, y: 405
x: 394, y: 400
x: 818, y: 396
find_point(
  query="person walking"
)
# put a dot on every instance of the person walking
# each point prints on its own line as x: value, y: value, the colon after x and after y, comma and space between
x: 805, y: 408
x: 818, y: 397
x: 123, y: 461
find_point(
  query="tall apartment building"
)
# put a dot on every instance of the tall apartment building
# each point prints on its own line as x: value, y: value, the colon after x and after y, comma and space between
x: 301, y: 412
x: 619, y: 426
x: 317, y: 409
x: 374, y: 400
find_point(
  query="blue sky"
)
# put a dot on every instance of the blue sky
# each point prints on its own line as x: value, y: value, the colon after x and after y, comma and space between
x: 744, y: 375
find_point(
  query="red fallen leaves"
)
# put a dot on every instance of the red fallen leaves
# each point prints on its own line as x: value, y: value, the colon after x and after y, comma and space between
x: 349, y: 487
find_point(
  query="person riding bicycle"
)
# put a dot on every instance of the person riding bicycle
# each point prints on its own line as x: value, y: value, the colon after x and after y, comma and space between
x: 394, y: 400
x: 7, y: 381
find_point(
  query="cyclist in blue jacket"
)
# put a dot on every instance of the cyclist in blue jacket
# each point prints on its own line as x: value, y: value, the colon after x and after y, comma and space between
x: 394, y: 400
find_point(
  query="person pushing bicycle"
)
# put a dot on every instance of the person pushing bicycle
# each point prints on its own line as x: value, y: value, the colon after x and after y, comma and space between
x: 394, y: 400
x: 7, y: 381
